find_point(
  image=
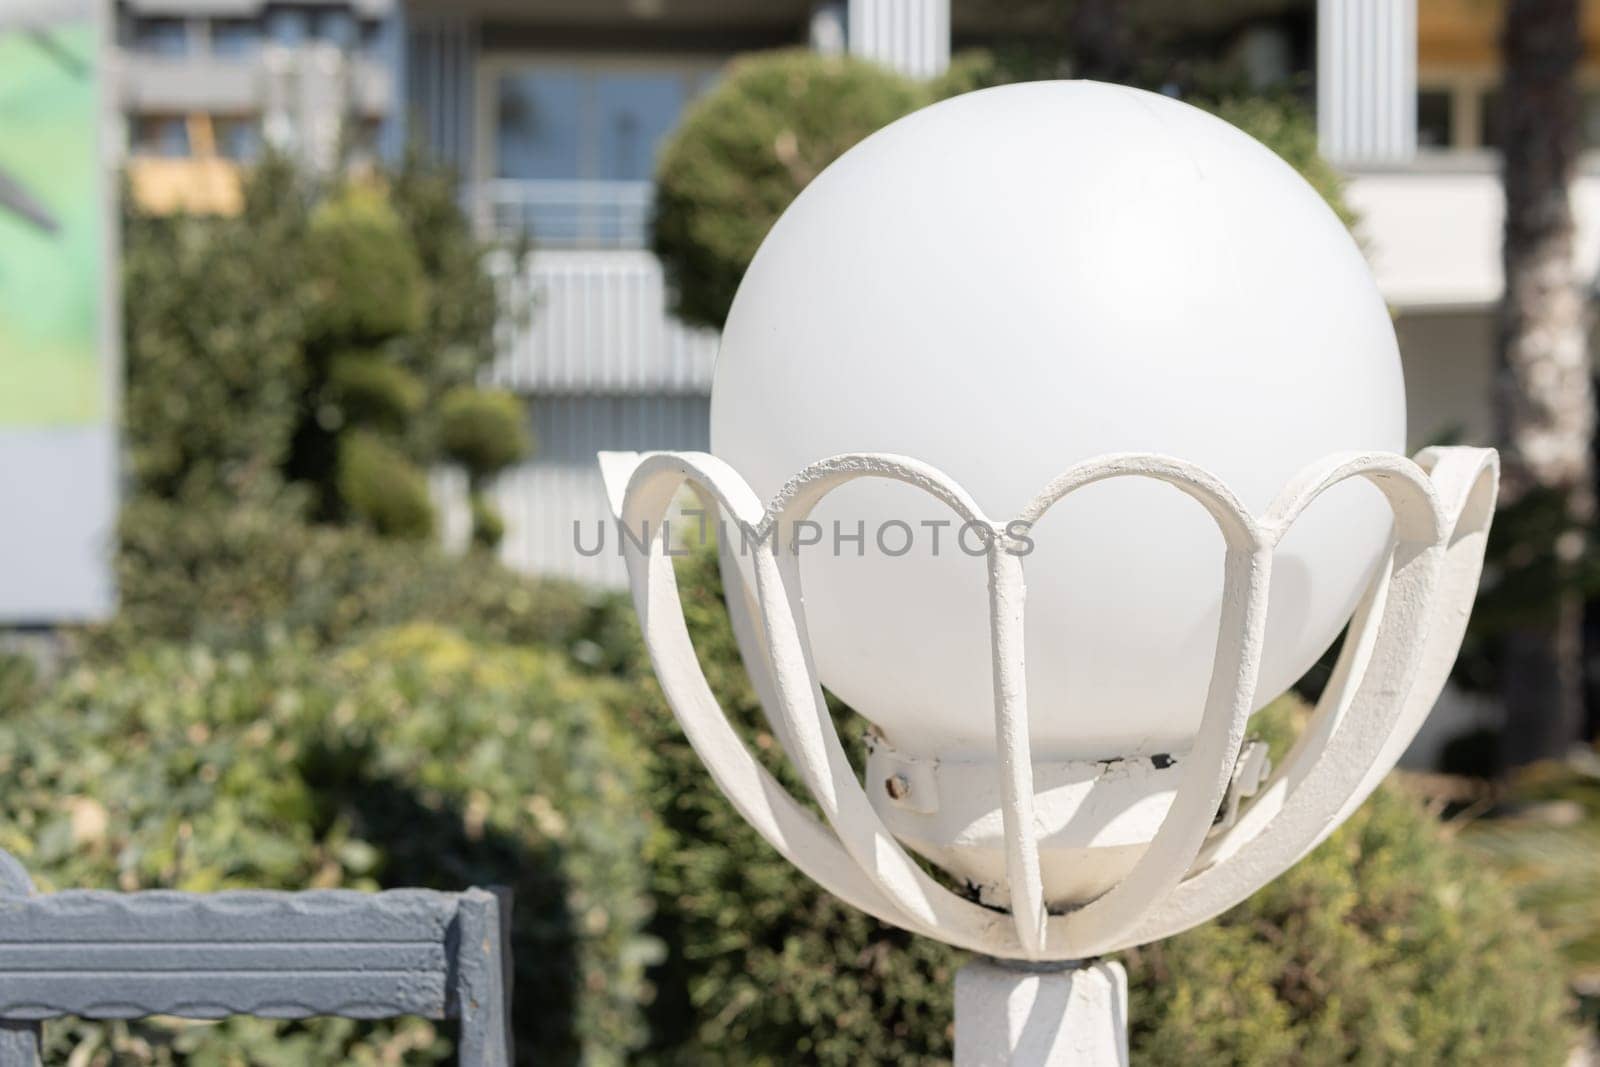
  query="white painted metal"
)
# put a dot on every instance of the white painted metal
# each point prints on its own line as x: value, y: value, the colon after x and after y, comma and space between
x: 1065, y: 1016
x: 911, y: 36
x: 1367, y: 80
x: 1403, y: 637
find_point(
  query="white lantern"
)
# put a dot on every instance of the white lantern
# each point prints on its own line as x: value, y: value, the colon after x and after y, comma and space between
x: 1010, y: 282
x: 1018, y: 321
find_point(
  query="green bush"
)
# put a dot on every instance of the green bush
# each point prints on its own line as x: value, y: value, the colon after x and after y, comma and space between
x: 484, y: 430
x: 411, y: 759
x: 214, y: 371
x: 744, y: 151
x: 372, y: 391
x: 488, y: 525
x: 383, y: 488
x: 1388, y: 944
x: 254, y: 344
x: 366, y: 277
x: 241, y: 578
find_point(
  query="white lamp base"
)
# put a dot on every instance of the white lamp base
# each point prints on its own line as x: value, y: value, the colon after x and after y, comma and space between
x: 1041, y: 1015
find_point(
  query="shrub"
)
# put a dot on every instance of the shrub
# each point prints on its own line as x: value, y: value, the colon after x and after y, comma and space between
x: 484, y: 430
x: 413, y: 758
x: 242, y: 578
x: 744, y: 151
x: 366, y: 277
x: 1388, y: 944
x: 383, y: 488
x: 1286, y: 126
x: 371, y: 391
x: 214, y: 371
x: 254, y: 344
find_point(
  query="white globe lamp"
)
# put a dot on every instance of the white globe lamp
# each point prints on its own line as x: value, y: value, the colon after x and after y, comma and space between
x: 957, y: 388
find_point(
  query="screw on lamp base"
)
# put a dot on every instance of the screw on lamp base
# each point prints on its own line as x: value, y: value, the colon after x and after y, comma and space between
x: 1013, y: 1014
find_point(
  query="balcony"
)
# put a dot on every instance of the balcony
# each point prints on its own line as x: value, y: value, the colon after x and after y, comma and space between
x: 568, y: 214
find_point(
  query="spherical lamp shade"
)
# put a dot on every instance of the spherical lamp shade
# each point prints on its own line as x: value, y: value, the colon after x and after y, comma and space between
x: 1008, y: 283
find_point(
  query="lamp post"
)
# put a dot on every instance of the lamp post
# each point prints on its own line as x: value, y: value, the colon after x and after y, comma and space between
x: 959, y: 383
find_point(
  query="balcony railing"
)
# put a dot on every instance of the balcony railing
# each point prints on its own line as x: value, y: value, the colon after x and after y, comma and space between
x: 568, y: 214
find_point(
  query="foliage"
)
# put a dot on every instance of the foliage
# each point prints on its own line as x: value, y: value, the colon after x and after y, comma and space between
x: 1388, y: 944
x: 245, y: 577
x: 1546, y: 841
x: 371, y: 391
x: 744, y: 151
x: 777, y: 119
x: 256, y: 345
x: 411, y: 758
x: 383, y: 488
x: 214, y: 371
x: 483, y: 430
x: 364, y: 272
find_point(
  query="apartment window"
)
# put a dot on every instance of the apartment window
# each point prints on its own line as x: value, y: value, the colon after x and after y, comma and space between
x: 288, y: 26
x: 1435, y: 125
x: 236, y: 38
x: 238, y: 138
x: 166, y: 136
x: 374, y: 41
x: 160, y: 36
x: 335, y: 27
x: 592, y: 123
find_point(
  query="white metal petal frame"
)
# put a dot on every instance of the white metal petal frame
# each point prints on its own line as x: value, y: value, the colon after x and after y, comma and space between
x: 1402, y: 639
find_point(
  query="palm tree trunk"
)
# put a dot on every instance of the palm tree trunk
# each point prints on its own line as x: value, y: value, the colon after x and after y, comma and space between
x: 1545, y: 400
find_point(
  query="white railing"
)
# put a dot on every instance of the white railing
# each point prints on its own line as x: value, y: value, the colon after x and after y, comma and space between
x: 595, y: 321
x: 568, y: 214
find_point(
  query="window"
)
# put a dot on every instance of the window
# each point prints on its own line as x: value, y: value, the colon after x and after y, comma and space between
x: 288, y: 27
x: 160, y: 36
x: 166, y: 136
x: 238, y: 138
x: 1489, y: 123
x: 588, y: 123
x: 374, y: 39
x: 1435, y: 124
x: 236, y: 38
x: 335, y: 27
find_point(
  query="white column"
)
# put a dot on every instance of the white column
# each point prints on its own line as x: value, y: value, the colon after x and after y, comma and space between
x: 1016, y: 1015
x: 1367, y: 80
x: 911, y: 36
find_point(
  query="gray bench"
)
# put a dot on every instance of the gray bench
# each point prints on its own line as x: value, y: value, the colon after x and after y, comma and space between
x: 103, y: 955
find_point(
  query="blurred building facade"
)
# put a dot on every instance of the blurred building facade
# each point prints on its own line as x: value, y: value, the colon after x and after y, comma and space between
x: 552, y: 112
x: 205, y: 85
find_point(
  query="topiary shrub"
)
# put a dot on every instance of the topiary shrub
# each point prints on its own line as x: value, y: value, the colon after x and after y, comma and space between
x: 484, y: 430
x: 369, y: 390
x: 744, y: 151
x: 366, y: 278
x: 383, y: 488
x: 1388, y: 944
x: 412, y: 758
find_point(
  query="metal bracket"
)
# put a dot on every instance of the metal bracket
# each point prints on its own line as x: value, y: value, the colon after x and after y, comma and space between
x: 104, y: 955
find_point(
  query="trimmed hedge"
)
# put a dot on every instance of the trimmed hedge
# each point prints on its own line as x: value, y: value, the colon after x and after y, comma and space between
x: 1388, y: 944
x: 411, y: 758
